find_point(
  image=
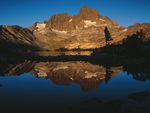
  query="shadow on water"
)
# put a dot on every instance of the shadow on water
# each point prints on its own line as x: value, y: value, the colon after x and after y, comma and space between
x: 116, y: 106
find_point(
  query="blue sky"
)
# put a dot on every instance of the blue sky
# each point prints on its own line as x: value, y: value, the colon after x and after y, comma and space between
x: 26, y: 12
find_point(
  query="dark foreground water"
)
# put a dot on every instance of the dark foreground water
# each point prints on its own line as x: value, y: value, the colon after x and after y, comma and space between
x: 73, y: 87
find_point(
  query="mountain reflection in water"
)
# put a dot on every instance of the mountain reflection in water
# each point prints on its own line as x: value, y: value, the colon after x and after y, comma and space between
x: 87, y: 75
x: 56, y: 53
x: 74, y: 87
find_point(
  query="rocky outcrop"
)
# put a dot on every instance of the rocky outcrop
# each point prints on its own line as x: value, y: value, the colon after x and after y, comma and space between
x: 145, y: 27
x: 88, y: 13
x: 61, y: 22
x: 16, y: 34
x: 16, y: 39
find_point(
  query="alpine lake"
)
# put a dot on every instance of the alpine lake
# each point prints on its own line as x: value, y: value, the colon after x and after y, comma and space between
x: 74, y: 86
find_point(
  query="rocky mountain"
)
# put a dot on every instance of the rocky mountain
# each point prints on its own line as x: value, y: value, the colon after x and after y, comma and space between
x: 17, y: 39
x: 84, y: 30
x: 87, y: 75
x: 86, y: 18
x: 81, y: 31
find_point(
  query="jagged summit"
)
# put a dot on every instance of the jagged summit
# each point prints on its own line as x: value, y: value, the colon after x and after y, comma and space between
x: 87, y: 17
x: 88, y: 13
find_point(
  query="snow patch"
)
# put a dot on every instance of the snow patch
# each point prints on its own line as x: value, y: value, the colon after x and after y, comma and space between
x: 89, y: 23
x: 77, y: 27
x: 70, y: 20
x: 40, y: 26
x: 125, y: 30
x: 61, y: 32
x: 103, y: 25
x: 42, y: 74
x: 71, y: 78
x: 102, y: 20
x: 90, y: 75
x: 61, y: 67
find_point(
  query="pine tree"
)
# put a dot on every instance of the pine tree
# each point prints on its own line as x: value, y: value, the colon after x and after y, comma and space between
x: 107, y: 36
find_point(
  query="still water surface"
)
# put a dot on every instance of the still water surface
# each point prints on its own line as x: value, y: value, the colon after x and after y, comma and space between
x: 72, y: 87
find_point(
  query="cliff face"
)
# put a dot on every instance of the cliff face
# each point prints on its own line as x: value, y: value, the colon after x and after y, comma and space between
x: 86, y: 18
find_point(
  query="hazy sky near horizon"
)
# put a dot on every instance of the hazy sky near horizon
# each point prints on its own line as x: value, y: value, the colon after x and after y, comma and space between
x: 26, y: 12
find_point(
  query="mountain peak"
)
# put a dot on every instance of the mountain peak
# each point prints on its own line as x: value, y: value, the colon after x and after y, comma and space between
x: 87, y: 17
x: 89, y: 10
x: 89, y: 13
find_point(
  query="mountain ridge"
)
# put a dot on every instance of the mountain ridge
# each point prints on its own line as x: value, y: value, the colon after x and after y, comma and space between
x: 84, y: 30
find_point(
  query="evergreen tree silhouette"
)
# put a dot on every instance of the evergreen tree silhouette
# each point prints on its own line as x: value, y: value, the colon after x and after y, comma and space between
x: 108, y: 74
x: 107, y: 36
x: 135, y: 40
